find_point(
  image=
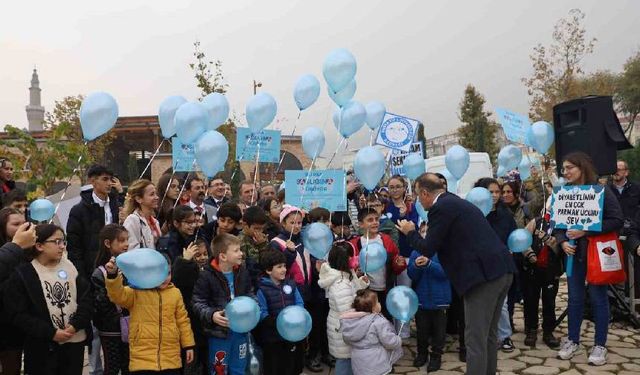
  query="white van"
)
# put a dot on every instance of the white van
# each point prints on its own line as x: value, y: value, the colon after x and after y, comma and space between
x: 479, y: 166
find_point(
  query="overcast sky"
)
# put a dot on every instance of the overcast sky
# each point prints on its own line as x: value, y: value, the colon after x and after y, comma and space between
x: 414, y: 56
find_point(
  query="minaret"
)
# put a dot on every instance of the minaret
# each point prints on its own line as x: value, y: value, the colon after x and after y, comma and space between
x: 35, y: 111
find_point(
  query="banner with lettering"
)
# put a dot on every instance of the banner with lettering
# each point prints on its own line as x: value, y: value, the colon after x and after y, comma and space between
x: 577, y: 207
x: 184, y: 156
x: 267, y: 141
x: 396, y: 158
x: 319, y: 188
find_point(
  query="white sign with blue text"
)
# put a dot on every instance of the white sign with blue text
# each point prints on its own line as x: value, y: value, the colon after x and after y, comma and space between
x: 397, y: 132
x: 577, y: 207
x: 396, y: 158
x: 515, y: 125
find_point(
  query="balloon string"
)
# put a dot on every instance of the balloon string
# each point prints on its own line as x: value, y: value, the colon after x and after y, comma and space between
x: 193, y: 165
x: 244, y: 150
x: 295, y: 126
x: 371, y: 137
x: 73, y: 173
x: 334, y: 153
x: 401, y: 326
x: 255, y: 175
x: 151, y: 160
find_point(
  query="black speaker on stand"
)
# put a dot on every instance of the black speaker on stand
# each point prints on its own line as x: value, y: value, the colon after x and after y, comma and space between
x: 590, y: 125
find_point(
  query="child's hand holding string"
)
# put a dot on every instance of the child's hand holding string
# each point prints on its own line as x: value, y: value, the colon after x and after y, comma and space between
x: 111, y: 266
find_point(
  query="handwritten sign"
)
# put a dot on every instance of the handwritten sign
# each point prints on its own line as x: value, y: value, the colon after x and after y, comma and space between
x: 320, y: 188
x: 397, y: 132
x: 396, y: 158
x: 266, y: 141
x: 515, y: 125
x: 578, y: 207
x: 184, y: 156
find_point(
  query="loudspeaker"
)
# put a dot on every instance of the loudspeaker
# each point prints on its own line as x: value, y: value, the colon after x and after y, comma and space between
x: 590, y: 125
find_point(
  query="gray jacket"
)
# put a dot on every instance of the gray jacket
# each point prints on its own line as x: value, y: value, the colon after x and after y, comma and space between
x: 375, y: 346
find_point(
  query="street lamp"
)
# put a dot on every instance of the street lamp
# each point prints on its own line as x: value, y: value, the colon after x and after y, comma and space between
x: 255, y: 86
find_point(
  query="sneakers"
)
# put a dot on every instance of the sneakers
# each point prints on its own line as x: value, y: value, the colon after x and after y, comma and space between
x: 598, y: 356
x: 568, y: 350
x: 532, y: 337
x: 507, y: 345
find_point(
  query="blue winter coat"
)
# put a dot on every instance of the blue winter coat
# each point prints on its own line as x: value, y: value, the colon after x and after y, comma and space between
x: 430, y: 283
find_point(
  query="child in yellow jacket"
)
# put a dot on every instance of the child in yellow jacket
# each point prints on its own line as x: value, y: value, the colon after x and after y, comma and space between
x: 159, y: 325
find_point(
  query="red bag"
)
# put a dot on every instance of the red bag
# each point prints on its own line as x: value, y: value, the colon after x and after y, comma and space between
x: 605, y: 260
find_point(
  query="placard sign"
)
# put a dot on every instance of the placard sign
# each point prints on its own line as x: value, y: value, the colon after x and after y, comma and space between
x: 267, y: 141
x: 320, y: 188
x: 515, y: 125
x: 578, y: 207
x: 184, y: 156
x: 396, y: 158
x: 397, y: 132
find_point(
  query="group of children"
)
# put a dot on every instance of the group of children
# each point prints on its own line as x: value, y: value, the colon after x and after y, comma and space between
x: 180, y: 326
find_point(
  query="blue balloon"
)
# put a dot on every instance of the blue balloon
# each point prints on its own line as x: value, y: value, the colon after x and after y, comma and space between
x: 218, y: 107
x: 336, y: 117
x: 560, y: 182
x: 191, y: 121
x: 211, y: 151
x: 375, y: 114
x: 243, y: 313
x: 414, y: 166
x: 98, y: 114
x: 369, y: 166
x: 372, y: 257
x: 260, y: 111
x: 424, y: 214
x: 541, y: 136
x: 509, y: 157
x: 317, y: 239
x: 481, y: 198
x: 501, y: 171
x: 402, y: 303
x: 313, y: 142
x: 457, y: 161
x: 352, y: 117
x: 343, y: 96
x: 306, y: 91
x: 525, y: 168
x: 143, y: 268
x: 167, y: 114
x: 339, y: 68
x: 41, y: 210
x: 452, y: 182
x: 294, y: 323
x: 519, y: 240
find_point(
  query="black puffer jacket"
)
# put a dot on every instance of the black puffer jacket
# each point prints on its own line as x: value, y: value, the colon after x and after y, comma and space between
x: 107, y: 314
x: 211, y: 293
x: 86, y: 219
x: 11, y: 255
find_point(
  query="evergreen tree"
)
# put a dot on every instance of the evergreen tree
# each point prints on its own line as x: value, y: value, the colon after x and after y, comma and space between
x: 477, y: 133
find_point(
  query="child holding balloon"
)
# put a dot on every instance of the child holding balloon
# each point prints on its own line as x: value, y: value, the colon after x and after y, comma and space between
x: 159, y: 325
x: 375, y: 345
x: 109, y: 318
x: 276, y: 291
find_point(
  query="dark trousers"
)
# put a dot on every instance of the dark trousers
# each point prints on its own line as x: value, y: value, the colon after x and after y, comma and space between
x: 116, y: 355
x: 66, y: 359
x: 514, y: 295
x: 282, y: 358
x: 455, y: 317
x: 318, y: 341
x: 11, y: 362
x: 431, y: 326
x: 482, y: 309
x: 533, y: 287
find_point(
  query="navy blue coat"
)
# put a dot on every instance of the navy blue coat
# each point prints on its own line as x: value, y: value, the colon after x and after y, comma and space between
x: 468, y: 248
x: 430, y: 283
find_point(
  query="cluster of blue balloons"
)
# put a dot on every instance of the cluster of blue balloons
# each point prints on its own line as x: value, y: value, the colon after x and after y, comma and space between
x: 41, y: 210
x: 294, y: 323
x: 372, y: 257
x: 402, y: 303
x: 143, y: 268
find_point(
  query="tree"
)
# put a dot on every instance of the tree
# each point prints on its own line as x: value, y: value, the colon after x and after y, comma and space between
x: 477, y: 133
x: 557, y: 69
x: 628, y: 93
x: 209, y: 78
x: 54, y: 158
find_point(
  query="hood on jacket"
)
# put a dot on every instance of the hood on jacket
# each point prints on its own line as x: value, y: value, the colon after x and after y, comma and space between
x: 355, y: 324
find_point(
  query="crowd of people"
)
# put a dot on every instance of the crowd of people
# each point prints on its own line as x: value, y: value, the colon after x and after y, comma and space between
x: 61, y: 290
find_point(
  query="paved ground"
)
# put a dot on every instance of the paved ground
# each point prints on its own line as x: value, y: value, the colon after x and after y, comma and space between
x: 623, y: 359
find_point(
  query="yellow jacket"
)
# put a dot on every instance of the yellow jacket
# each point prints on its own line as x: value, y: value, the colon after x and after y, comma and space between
x: 158, y: 327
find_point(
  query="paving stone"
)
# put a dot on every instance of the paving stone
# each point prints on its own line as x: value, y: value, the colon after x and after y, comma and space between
x: 630, y: 366
x: 440, y: 372
x: 621, y: 332
x: 615, y: 358
x: 510, y: 365
x: 542, y: 353
x: 451, y: 365
x: 626, y: 352
x: 588, y: 368
x: 571, y: 372
x: 554, y: 362
x: 541, y: 370
x: 403, y: 369
x: 513, y: 354
x: 530, y: 360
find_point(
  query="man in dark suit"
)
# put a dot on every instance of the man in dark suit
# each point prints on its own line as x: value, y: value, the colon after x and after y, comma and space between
x: 627, y: 192
x: 477, y: 263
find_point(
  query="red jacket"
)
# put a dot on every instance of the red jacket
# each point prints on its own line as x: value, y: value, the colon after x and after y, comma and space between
x: 393, y: 268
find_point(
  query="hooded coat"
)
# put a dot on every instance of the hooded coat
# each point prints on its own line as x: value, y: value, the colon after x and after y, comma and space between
x: 375, y: 346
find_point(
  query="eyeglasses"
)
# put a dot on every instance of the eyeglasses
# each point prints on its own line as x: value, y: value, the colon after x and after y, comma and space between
x: 568, y: 168
x: 58, y: 242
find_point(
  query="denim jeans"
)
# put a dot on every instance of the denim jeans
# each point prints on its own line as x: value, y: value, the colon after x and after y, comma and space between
x: 599, y: 305
x: 95, y: 358
x: 504, y: 327
x: 343, y: 366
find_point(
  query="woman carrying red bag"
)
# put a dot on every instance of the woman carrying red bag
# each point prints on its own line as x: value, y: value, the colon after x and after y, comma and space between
x: 578, y: 169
